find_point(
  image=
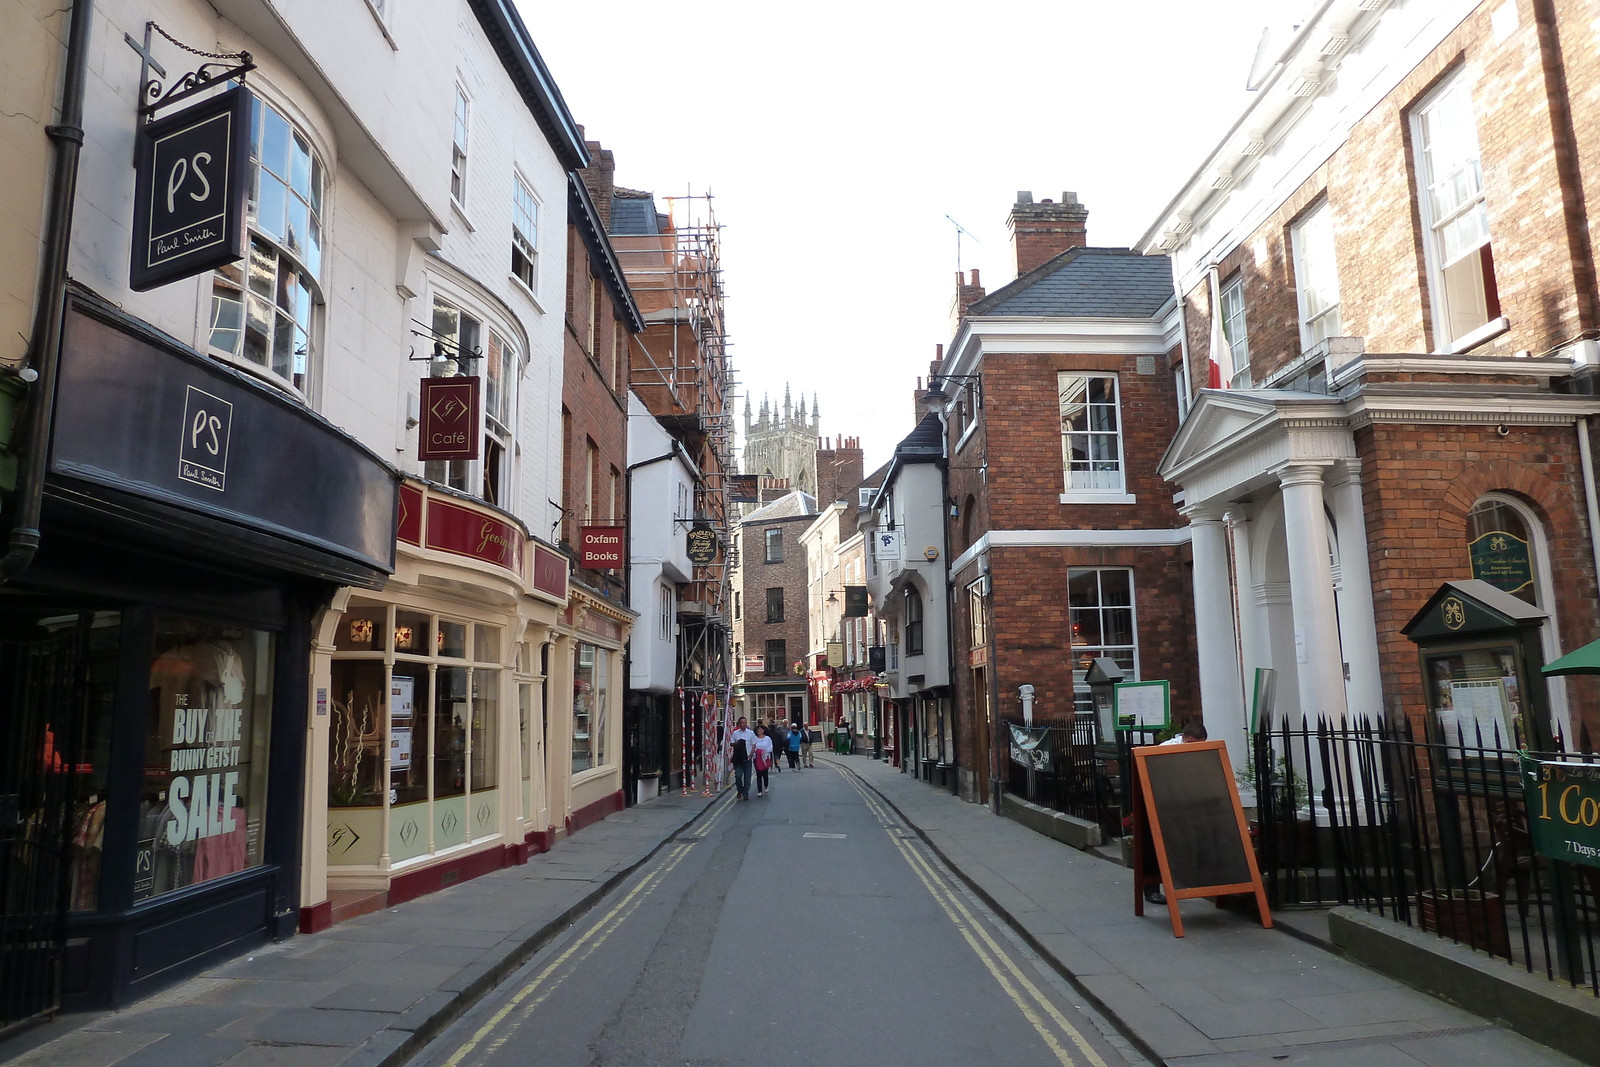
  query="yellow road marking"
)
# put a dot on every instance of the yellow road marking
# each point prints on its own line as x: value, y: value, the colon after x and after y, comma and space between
x: 602, y: 927
x: 989, y: 951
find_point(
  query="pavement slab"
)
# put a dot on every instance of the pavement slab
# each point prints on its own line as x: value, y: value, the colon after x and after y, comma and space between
x: 1228, y: 993
x: 368, y: 992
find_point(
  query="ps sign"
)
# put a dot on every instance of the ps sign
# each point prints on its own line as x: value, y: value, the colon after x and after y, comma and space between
x: 189, y: 193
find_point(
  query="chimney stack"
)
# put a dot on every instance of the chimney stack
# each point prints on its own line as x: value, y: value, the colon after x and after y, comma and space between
x: 966, y: 296
x: 1040, y: 232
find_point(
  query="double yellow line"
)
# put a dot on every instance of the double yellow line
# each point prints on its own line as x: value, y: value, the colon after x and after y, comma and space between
x: 1010, y: 977
x: 580, y: 950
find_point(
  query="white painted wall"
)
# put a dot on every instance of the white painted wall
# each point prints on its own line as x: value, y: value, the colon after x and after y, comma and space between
x: 657, y: 547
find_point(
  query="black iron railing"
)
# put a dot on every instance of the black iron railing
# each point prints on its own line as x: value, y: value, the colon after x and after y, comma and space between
x: 1425, y: 828
x: 1072, y: 771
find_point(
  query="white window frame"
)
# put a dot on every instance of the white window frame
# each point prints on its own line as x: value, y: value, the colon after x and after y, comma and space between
x: 1446, y: 339
x: 1311, y: 236
x: 667, y: 610
x: 1079, y: 688
x: 1110, y: 495
x: 460, y: 144
x: 767, y: 555
x: 1235, y: 332
x: 497, y: 430
x: 524, y: 243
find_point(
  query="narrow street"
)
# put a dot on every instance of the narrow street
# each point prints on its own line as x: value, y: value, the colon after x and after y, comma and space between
x: 808, y: 926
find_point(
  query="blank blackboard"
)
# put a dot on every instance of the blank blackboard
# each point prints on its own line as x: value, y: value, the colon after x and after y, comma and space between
x: 1194, y: 808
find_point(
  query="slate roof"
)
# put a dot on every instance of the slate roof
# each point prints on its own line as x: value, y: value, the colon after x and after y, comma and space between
x: 634, y: 215
x: 1086, y: 283
x: 926, y: 440
x: 793, y: 504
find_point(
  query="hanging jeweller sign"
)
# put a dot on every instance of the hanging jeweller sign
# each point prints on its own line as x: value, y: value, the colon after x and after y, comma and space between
x: 189, y: 192
x: 702, y: 545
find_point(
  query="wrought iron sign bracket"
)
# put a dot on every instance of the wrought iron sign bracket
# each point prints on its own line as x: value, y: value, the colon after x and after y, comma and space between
x: 443, y: 349
x: 153, y: 93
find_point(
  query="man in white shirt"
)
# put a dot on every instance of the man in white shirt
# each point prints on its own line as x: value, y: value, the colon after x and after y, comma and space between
x: 741, y: 746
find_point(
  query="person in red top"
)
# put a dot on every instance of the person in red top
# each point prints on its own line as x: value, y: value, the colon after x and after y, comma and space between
x: 762, y: 757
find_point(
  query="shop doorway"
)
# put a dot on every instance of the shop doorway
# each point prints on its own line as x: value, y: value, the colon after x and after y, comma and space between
x: 44, y: 688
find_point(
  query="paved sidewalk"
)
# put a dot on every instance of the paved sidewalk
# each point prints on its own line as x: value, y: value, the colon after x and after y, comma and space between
x: 373, y: 990
x: 1228, y: 993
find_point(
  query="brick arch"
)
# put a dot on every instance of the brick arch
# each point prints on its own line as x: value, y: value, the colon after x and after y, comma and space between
x: 1550, y: 504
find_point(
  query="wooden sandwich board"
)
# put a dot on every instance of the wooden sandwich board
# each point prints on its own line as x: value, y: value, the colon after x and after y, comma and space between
x: 1186, y: 806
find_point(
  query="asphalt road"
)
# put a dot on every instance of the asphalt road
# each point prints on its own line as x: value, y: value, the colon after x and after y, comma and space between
x: 804, y: 927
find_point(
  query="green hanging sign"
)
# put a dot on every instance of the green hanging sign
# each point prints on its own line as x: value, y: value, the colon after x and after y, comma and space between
x: 1563, y: 809
x: 1502, y: 559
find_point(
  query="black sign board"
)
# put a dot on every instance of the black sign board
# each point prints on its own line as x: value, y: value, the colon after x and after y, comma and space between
x: 744, y: 488
x: 158, y: 424
x: 189, y: 194
x: 855, y: 601
x: 702, y: 547
x: 1188, y: 809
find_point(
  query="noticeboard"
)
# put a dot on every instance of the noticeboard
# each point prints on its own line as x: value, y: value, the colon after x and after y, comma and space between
x: 1142, y: 705
x: 1563, y: 809
x: 1187, y: 807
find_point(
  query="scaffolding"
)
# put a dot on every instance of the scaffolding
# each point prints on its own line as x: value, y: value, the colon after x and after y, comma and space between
x: 680, y: 369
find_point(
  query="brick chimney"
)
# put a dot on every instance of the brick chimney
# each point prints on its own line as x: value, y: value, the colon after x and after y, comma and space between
x: 1041, y: 232
x: 600, y: 178
x: 840, y: 467
x: 966, y: 296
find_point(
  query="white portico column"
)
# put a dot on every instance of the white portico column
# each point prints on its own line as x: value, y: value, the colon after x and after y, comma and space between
x: 1319, y: 663
x: 1220, y: 698
x: 1358, y: 627
x: 1253, y: 643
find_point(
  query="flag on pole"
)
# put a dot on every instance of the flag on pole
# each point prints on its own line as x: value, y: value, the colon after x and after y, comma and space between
x: 1219, y: 341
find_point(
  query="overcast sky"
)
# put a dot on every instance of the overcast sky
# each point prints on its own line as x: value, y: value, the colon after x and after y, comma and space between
x: 837, y: 136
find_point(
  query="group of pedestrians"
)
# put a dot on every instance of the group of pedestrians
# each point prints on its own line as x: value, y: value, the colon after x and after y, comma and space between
x: 757, y: 752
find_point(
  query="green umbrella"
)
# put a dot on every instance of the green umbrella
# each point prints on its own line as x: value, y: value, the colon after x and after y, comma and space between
x: 1585, y: 660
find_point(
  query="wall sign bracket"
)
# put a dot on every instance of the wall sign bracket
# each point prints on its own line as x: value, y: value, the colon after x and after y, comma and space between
x: 154, y: 94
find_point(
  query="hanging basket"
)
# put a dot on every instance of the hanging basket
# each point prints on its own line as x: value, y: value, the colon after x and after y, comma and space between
x: 1470, y: 916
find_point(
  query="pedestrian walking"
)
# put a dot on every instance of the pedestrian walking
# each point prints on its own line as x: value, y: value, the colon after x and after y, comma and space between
x: 740, y: 745
x: 805, y: 747
x: 779, y: 733
x: 761, y: 757
x: 791, y: 745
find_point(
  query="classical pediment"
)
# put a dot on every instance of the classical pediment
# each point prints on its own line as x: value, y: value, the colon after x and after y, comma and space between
x: 1217, y: 417
x: 1234, y: 438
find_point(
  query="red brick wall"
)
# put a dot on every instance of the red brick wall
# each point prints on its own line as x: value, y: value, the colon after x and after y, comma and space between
x: 594, y: 402
x: 751, y: 630
x: 1418, y: 484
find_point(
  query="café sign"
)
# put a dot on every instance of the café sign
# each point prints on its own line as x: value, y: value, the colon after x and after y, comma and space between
x: 450, y: 411
x: 189, y: 191
x: 1502, y: 560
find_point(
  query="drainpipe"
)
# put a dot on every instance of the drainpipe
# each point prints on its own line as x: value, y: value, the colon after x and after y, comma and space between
x: 44, y: 345
x: 1586, y: 466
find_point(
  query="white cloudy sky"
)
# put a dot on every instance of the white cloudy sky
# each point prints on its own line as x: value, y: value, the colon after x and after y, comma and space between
x: 837, y: 135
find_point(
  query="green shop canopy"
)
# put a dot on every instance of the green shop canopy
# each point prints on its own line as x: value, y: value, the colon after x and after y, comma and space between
x: 1585, y: 660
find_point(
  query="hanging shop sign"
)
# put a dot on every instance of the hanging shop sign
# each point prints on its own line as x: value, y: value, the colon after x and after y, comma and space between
x: 1502, y: 560
x: 855, y: 601
x: 189, y: 191
x: 744, y: 488
x: 702, y: 545
x: 1030, y: 746
x: 600, y: 547
x: 886, y: 544
x: 1563, y: 802
x: 450, y: 413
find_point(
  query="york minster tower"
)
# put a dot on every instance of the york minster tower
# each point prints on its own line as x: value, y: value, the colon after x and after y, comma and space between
x: 783, y: 445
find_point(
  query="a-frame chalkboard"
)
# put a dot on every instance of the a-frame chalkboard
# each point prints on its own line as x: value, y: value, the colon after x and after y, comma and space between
x: 1186, y: 806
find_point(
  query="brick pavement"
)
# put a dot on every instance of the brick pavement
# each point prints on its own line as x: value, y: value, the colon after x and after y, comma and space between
x: 1228, y: 993
x: 374, y: 990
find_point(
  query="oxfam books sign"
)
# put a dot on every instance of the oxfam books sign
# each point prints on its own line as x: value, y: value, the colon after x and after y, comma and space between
x: 189, y: 191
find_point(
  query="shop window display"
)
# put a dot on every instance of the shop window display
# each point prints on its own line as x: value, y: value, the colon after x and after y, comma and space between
x: 205, y: 778
x: 590, y: 699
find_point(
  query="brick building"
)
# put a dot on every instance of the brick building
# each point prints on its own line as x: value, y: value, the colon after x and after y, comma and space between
x: 769, y: 609
x: 1059, y: 401
x: 1390, y: 261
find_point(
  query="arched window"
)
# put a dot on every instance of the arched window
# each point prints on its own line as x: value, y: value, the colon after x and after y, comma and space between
x: 1501, y: 543
x: 913, y: 623
x: 262, y: 309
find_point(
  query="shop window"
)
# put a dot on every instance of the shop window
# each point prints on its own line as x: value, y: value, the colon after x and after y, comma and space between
x: 356, y: 731
x: 774, y: 546
x: 1102, y: 609
x: 97, y: 638
x: 1316, y: 276
x: 409, y: 736
x: 1091, y: 433
x: 263, y: 310
x: 775, y: 604
x: 591, y: 682
x: 525, y: 713
x: 482, y: 749
x: 1461, y: 279
x: 205, y: 778
x: 452, y: 639
x: 777, y: 657
x: 450, y: 733
x: 913, y: 614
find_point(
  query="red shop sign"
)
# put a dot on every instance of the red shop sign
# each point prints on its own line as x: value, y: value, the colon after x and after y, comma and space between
x: 450, y: 410
x: 550, y: 572
x: 409, y: 526
x: 600, y: 547
x: 465, y: 532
